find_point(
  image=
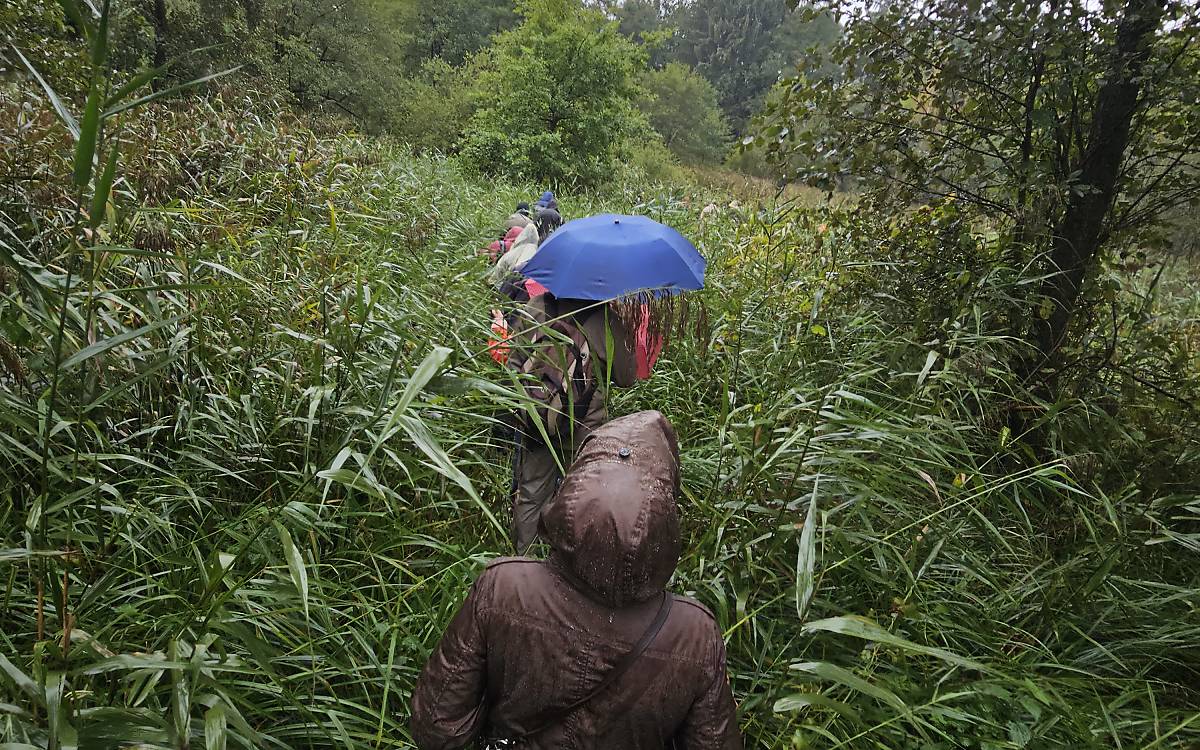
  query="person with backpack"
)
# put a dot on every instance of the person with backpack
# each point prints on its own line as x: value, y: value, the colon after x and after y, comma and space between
x: 546, y: 215
x: 587, y: 649
x: 522, y: 247
x: 566, y: 353
x: 519, y: 218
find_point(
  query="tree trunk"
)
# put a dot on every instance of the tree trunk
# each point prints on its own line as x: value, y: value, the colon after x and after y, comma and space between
x: 1077, y: 237
x: 160, y: 38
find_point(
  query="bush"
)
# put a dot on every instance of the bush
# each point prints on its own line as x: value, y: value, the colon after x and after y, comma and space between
x: 649, y: 160
x: 434, y: 106
x: 682, y: 106
x: 556, y: 98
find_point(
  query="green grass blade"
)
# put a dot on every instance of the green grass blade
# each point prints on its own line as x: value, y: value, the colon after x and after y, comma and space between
x: 89, y: 130
x: 806, y: 557
x: 104, y: 187
x: 861, y: 627
x: 55, y: 101
x: 843, y: 677
x: 216, y: 727
x: 295, y: 565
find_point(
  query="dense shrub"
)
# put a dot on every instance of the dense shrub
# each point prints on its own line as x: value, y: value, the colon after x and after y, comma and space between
x: 682, y: 107
x: 434, y: 106
x: 556, y: 98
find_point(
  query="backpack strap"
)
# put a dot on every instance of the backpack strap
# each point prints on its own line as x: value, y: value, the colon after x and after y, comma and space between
x: 620, y: 668
x: 583, y: 405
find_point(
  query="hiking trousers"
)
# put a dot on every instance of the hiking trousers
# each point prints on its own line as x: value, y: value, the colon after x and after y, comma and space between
x: 538, y: 473
x: 539, y: 470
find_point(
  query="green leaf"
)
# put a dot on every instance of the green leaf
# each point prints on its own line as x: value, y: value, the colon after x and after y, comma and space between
x: 843, y: 677
x: 800, y: 701
x: 421, y: 376
x: 1101, y: 573
x: 62, y: 733
x: 929, y: 360
x: 181, y: 700
x: 131, y: 663
x: 215, y: 728
x: 104, y: 187
x: 89, y: 129
x: 139, y: 80
x: 419, y: 433
x: 295, y: 564
x: 860, y: 627
x: 100, y: 42
x: 354, y: 480
x: 806, y: 557
x: 23, y: 681
x: 63, y: 113
x: 85, y: 147
x: 19, y: 553
x: 104, y: 345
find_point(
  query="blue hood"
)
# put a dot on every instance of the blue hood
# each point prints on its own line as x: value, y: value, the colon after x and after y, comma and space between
x: 547, y: 201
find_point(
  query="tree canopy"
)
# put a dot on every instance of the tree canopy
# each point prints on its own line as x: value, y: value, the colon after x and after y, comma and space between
x: 556, y: 97
x: 682, y: 107
x: 1073, y: 124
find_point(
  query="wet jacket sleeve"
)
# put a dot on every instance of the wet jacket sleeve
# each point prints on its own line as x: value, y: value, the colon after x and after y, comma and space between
x: 448, y: 703
x: 711, y: 723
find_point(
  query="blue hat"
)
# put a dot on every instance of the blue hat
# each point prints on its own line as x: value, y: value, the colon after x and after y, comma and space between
x: 546, y: 199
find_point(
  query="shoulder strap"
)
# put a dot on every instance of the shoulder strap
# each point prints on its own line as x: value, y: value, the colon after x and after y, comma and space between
x: 620, y: 668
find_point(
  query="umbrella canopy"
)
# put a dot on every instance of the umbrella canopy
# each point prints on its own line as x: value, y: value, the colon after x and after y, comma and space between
x: 609, y: 256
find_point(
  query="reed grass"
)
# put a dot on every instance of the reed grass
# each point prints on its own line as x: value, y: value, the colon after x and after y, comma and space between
x: 249, y: 471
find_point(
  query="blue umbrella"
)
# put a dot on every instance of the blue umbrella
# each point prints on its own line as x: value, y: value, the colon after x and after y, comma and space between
x: 608, y: 256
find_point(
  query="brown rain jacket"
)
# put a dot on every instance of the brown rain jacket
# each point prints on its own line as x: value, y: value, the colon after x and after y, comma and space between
x: 533, y: 637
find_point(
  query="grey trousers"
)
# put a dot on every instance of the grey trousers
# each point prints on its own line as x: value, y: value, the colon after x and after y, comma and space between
x: 538, y: 472
x: 538, y: 476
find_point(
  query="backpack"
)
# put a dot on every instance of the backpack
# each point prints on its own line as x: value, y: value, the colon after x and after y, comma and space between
x: 557, y: 375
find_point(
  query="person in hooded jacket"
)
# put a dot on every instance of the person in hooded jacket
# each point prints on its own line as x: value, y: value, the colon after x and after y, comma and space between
x: 533, y: 638
x: 519, y: 218
x: 523, y: 247
x: 546, y: 215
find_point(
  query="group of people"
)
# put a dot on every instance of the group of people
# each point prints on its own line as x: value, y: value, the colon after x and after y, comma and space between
x: 524, y: 232
x: 586, y: 648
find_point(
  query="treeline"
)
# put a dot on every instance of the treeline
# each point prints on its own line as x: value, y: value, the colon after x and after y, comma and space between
x: 559, y: 90
x: 1071, y: 130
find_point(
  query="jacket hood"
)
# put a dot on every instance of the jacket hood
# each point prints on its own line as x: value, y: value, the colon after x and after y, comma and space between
x: 614, y: 524
x: 547, y: 201
x: 518, y: 221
